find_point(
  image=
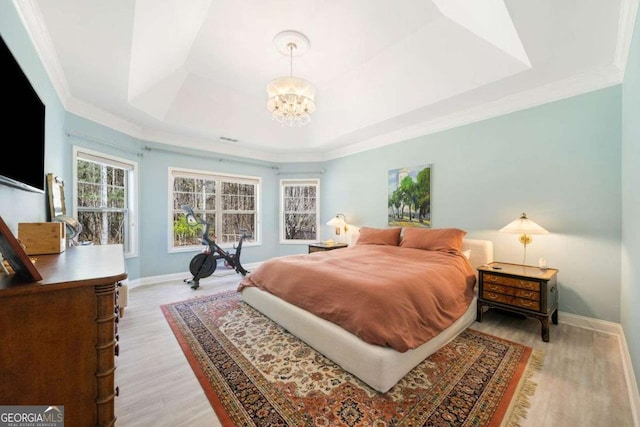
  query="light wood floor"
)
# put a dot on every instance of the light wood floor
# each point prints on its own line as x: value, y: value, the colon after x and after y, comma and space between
x: 581, y: 384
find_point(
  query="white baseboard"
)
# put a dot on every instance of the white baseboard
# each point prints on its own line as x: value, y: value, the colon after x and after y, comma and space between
x: 613, y: 329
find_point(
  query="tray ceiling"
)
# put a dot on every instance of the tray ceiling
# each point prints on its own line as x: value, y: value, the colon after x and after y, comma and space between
x: 193, y: 74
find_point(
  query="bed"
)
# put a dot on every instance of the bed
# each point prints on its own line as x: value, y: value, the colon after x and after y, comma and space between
x: 380, y: 365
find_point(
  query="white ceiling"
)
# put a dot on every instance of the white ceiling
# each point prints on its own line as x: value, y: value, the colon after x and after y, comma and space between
x: 190, y: 73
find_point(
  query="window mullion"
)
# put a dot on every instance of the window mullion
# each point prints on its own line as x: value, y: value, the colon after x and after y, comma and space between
x: 218, y: 204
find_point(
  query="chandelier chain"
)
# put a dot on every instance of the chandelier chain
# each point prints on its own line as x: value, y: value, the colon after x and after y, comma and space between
x: 291, y: 47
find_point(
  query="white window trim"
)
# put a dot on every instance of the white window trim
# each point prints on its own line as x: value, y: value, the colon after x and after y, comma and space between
x: 213, y: 175
x: 301, y: 181
x: 132, y: 193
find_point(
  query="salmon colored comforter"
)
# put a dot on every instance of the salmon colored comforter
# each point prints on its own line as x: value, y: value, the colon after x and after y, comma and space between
x: 386, y: 295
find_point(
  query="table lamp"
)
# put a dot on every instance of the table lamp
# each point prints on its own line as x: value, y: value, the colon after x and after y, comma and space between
x: 525, y: 228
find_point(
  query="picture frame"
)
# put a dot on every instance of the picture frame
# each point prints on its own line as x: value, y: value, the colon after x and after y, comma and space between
x: 16, y: 256
x: 409, y: 196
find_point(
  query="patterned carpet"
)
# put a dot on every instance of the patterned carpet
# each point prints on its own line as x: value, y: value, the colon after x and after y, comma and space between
x: 256, y: 373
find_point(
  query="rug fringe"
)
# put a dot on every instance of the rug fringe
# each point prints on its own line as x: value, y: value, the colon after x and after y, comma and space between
x: 519, y: 405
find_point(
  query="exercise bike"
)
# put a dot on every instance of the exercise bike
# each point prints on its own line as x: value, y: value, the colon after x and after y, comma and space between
x: 205, y: 263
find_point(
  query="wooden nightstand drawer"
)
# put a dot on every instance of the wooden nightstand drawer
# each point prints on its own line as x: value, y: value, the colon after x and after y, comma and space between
x: 493, y: 296
x: 510, y: 281
x: 510, y: 300
x: 522, y: 293
x: 527, y: 303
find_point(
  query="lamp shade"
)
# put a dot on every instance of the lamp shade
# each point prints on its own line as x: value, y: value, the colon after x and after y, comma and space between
x: 523, y: 225
x: 336, y: 221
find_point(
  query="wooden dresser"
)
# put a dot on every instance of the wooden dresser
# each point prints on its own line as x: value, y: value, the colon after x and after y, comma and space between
x: 59, y: 335
x: 521, y: 289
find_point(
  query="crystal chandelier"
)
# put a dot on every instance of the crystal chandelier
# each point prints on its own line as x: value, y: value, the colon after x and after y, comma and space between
x: 291, y: 99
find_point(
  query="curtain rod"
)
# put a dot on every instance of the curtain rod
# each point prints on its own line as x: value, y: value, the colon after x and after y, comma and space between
x: 275, y: 168
x: 217, y: 158
x: 279, y: 172
x: 76, y: 134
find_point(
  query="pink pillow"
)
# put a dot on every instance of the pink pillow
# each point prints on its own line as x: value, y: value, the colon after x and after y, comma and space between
x: 433, y: 239
x: 379, y: 236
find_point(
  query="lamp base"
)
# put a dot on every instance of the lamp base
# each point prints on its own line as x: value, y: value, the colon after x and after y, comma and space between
x: 525, y: 239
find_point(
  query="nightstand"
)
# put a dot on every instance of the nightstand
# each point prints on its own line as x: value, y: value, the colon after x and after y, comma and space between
x: 322, y: 247
x: 521, y: 289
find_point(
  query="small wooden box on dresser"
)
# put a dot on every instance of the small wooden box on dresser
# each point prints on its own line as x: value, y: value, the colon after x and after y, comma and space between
x: 59, y: 335
x: 522, y: 289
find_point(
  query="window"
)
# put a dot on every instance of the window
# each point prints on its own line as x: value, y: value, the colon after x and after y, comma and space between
x: 105, y: 200
x: 228, y: 202
x: 299, y: 210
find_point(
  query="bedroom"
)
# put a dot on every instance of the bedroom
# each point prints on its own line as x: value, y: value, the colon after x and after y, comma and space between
x: 569, y: 164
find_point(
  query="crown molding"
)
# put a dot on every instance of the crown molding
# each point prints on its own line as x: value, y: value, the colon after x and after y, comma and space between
x: 628, y: 13
x: 567, y: 88
x: 34, y: 25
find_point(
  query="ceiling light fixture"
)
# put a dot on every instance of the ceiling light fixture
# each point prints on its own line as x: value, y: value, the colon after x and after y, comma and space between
x: 291, y: 99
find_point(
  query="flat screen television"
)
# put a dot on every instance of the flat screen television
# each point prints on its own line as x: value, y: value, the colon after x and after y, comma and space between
x: 23, y: 117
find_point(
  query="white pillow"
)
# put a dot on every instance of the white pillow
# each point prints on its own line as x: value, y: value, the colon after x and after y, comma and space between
x: 467, y: 253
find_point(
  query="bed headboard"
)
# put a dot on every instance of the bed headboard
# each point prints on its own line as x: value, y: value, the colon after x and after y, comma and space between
x: 481, y: 250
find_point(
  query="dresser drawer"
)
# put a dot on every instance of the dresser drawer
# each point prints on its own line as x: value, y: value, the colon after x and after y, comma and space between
x: 494, y: 296
x: 518, y: 292
x: 509, y: 281
x: 526, y: 303
x: 510, y: 300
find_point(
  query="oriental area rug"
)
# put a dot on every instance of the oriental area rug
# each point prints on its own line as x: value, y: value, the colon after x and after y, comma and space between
x: 255, y: 373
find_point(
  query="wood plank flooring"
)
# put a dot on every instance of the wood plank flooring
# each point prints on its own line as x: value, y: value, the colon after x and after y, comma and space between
x: 581, y: 384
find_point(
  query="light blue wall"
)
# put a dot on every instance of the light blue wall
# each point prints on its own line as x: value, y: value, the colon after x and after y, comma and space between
x: 559, y: 163
x: 154, y: 161
x: 630, y: 291
x: 17, y: 205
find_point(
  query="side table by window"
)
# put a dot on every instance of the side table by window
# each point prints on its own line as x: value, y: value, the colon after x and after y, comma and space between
x: 321, y: 247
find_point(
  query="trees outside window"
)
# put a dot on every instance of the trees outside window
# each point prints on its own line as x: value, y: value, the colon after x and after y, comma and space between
x: 228, y: 202
x: 105, y: 202
x: 299, y: 210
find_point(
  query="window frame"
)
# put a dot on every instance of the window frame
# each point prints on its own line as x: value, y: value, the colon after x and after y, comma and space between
x: 315, y: 182
x: 217, y: 176
x: 132, y: 238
